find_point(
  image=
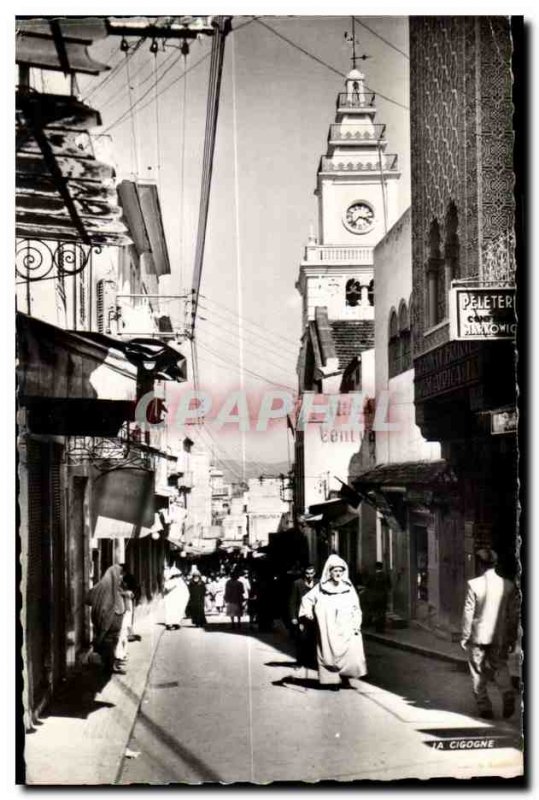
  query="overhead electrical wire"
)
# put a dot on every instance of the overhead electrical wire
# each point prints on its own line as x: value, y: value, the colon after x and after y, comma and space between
x: 324, y: 63
x: 211, y: 441
x: 237, y: 368
x: 133, y: 126
x: 257, y: 348
x: 237, y: 364
x: 231, y: 457
x: 374, y: 33
x: 125, y: 114
x: 248, y: 320
x: 228, y: 459
x: 114, y: 72
x: 248, y: 371
x: 130, y: 51
x: 268, y: 365
x: 276, y: 348
x: 113, y: 96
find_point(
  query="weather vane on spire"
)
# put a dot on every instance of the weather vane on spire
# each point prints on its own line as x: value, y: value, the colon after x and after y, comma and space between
x: 351, y: 38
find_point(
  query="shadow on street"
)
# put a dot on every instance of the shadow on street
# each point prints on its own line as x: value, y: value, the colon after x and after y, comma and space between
x: 424, y: 683
x: 77, y: 698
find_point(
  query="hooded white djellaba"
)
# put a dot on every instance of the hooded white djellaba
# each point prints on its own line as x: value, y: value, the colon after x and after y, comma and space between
x: 336, y: 609
x: 176, y: 597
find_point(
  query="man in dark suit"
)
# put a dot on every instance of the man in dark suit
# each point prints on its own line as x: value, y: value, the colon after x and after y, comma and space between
x: 305, y: 632
x: 489, y: 633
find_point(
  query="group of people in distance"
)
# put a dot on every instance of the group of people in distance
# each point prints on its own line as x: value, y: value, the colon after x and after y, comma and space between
x: 203, y: 595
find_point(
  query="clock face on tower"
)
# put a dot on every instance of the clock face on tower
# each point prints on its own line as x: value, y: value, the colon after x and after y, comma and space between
x: 359, y: 217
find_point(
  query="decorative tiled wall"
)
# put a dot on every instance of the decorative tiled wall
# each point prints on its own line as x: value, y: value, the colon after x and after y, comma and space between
x: 462, y: 146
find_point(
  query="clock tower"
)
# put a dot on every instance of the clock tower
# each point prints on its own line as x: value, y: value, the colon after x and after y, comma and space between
x: 357, y: 183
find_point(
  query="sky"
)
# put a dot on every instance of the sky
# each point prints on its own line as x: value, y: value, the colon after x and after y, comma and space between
x: 280, y: 82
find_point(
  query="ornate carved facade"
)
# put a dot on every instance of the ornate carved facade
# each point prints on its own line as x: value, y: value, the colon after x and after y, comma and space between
x: 462, y: 155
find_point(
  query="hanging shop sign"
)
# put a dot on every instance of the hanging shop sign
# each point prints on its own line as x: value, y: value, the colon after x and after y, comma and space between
x: 123, y: 500
x: 482, y: 313
x: 504, y: 421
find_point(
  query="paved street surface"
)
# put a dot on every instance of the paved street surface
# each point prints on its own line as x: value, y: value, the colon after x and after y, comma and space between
x: 223, y: 706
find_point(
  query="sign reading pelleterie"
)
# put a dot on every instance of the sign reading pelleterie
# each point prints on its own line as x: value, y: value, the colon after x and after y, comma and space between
x: 482, y: 313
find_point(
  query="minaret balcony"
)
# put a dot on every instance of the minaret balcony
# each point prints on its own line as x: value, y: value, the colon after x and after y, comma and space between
x: 350, y: 101
x: 341, y: 254
x: 375, y: 163
x: 356, y: 134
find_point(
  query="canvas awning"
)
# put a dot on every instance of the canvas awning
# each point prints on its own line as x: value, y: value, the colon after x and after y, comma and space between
x: 122, y: 502
x: 336, y: 512
x: 78, y: 382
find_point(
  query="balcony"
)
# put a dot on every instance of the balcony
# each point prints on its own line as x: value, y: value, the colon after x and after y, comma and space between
x: 327, y: 254
x: 389, y: 163
x: 352, y: 101
x: 152, y: 315
x: 356, y: 133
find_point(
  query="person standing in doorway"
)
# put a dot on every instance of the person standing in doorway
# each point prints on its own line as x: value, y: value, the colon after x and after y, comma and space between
x: 334, y: 604
x: 489, y: 633
x: 378, y: 592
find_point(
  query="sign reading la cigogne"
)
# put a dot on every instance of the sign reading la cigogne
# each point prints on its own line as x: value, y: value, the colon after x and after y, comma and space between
x: 479, y: 313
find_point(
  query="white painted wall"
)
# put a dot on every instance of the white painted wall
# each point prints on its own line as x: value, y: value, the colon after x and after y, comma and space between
x: 393, y: 282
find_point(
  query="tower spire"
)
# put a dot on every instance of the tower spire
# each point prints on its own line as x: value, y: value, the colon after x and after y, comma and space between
x: 354, y: 56
x: 351, y: 39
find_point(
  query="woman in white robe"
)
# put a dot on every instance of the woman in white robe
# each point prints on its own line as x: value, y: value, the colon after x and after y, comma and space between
x: 334, y: 604
x: 176, y: 598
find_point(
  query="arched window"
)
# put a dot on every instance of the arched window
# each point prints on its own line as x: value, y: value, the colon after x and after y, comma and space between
x: 370, y: 292
x: 435, y: 300
x: 451, y: 246
x: 404, y: 337
x: 308, y: 379
x: 353, y: 292
x: 411, y: 317
x: 399, y: 340
x: 393, y: 345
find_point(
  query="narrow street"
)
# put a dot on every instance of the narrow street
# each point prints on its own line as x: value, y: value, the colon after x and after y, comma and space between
x: 227, y: 706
